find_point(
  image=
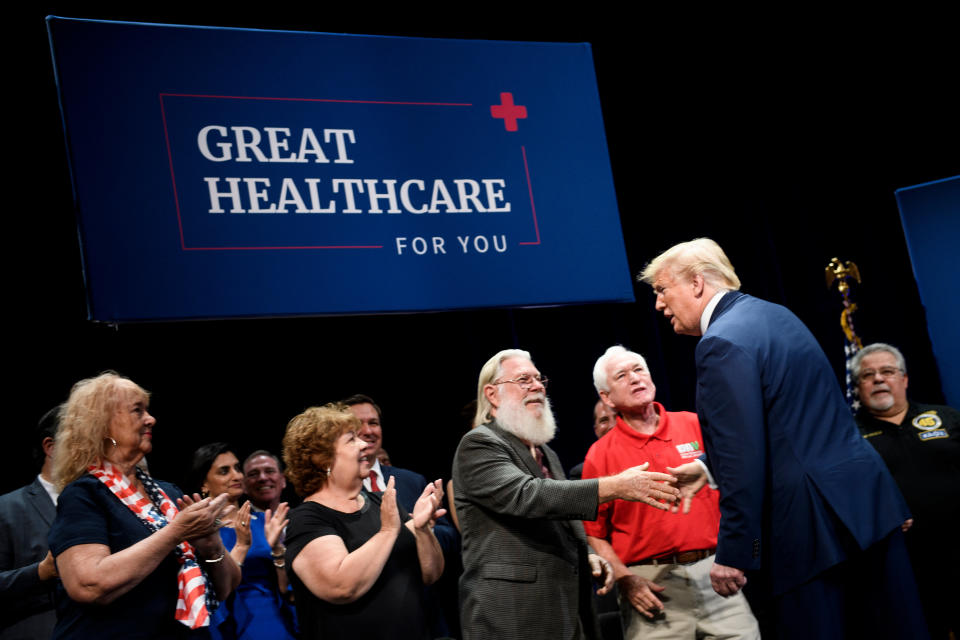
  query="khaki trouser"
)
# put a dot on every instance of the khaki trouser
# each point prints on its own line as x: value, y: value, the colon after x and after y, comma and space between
x: 692, y: 609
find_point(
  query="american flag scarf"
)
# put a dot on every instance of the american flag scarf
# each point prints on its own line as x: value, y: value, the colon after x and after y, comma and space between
x: 196, y: 599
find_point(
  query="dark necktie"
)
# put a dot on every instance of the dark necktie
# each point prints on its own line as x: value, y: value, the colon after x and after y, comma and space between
x: 538, y: 455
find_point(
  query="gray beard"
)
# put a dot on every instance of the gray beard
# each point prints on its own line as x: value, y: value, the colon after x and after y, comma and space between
x: 877, y: 404
x: 513, y: 417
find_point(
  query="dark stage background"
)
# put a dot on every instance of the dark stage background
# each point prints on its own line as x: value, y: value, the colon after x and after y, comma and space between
x: 783, y: 137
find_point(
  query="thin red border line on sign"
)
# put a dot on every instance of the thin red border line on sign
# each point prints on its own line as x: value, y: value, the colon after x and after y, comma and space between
x: 173, y: 177
x: 428, y: 104
x: 533, y: 207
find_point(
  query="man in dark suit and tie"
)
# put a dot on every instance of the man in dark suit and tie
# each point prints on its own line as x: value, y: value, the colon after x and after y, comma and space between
x: 526, y: 563
x: 27, y: 572
x: 807, y: 508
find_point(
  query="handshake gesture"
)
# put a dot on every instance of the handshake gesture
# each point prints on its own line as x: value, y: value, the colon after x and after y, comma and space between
x: 639, y: 485
x: 674, y: 490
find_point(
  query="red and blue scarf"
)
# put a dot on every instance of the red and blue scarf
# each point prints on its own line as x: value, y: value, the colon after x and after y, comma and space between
x: 196, y: 599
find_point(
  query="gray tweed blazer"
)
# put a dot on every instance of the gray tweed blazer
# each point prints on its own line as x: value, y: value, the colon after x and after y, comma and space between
x: 524, y: 550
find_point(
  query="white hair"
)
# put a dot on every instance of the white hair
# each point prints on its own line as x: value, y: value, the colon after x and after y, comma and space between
x: 600, y: 368
x: 490, y: 372
x: 857, y: 361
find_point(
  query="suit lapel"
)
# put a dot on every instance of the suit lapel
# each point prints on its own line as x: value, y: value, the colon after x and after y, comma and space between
x: 41, y: 501
x: 522, y: 451
x: 724, y: 305
x: 553, y: 463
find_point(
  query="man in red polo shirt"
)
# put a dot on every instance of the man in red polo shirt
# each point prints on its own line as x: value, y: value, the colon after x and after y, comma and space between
x: 661, y: 560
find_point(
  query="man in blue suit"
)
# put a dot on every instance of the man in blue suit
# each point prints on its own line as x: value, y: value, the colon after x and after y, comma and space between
x: 808, y: 509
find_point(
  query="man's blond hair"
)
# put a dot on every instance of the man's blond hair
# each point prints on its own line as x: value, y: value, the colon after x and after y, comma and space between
x: 702, y: 257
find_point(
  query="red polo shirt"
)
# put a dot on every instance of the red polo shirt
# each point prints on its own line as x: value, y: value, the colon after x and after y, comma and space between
x: 638, y: 531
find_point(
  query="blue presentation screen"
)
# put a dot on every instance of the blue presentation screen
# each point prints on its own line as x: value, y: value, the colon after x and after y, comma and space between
x: 930, y: 214
x: 234, y: 172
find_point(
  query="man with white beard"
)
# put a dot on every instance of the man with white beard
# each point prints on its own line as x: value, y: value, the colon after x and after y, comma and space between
x: 526, y: 563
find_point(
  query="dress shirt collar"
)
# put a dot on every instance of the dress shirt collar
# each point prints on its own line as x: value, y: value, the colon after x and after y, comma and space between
x: 375, y: 470
x: 708, y: 310
x: 49, y: 488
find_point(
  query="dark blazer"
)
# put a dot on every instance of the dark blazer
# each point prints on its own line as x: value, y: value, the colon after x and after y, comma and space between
x: 792, y: 469
x: 27, y: 603
x: 524, y: 549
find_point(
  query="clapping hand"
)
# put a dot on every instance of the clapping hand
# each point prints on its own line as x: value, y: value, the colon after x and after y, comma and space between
x: 199, y: 520
x: 241, y: 524
x: 274, y: 524
x: 427, y: 509
x: 389, y: 515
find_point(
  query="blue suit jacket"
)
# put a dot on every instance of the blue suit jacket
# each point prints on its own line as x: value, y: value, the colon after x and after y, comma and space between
x: 410, y: 485
x: 26, y: 603
x: 784, y: 448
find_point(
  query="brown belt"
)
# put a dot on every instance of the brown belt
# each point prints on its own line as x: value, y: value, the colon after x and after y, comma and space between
x: 685, y: 557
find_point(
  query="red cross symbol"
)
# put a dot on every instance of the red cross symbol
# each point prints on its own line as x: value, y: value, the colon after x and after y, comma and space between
x: 508, y: 111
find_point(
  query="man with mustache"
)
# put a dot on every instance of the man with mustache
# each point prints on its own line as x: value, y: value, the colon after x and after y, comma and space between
x: 527, y: 566
x: 661, y: 561
x: 921, y: 445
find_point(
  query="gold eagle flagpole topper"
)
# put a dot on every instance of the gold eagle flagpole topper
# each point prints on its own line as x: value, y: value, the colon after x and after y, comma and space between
x: 842, y: 274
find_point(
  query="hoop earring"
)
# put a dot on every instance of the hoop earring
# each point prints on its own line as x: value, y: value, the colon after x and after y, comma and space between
x: 112, y: 441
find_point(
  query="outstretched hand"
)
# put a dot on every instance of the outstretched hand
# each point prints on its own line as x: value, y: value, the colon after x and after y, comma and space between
x: 650, y: 487
x: 691, y: 477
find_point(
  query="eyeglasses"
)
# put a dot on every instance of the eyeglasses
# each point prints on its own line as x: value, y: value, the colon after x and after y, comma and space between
x: 885, y: 372
x: 525, y: 381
